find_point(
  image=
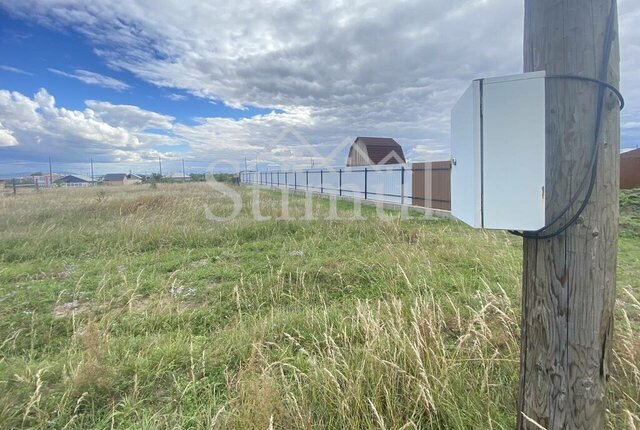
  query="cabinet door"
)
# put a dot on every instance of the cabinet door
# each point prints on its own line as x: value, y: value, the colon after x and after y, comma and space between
x: 465, y: 158
x: 513, y: 145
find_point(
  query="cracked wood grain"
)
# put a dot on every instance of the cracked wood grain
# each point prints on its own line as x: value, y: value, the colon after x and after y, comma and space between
x: 568, y: 288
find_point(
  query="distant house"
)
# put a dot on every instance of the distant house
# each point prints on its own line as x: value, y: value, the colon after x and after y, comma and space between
x: 630, y: 169
x: 367, y: 151
x: 75, y: 181
x: 121, y: 179
x: 178, y: 177
x: 43, y: 180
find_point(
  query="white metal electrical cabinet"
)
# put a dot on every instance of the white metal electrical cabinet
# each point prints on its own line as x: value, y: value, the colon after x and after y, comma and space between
x: 498, y: 153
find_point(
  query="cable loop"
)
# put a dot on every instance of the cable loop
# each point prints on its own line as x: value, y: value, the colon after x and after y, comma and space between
x: 596, y: 81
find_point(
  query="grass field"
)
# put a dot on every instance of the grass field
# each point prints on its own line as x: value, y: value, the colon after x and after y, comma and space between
x: 127, y: 308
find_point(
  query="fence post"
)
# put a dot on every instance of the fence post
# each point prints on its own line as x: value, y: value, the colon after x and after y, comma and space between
x: 286, y: 179
x: 365, y: 183
x: 340, y: 182
x: 295, y: 180
x: 321, y: 181
x: 14, y: 186
x: 278, y: 180
x: 307, y: 172
x: 402, y: 185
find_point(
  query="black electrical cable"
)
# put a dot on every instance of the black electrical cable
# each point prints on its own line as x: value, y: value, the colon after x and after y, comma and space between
x: 604, y: 84
x: 593, y: 157
x: 592, y: 170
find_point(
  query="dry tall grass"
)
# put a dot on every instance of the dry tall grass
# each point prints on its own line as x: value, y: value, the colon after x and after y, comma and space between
x: 127, y: 308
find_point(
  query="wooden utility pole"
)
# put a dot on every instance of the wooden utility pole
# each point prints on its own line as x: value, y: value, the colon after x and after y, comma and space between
x: 569, y: 281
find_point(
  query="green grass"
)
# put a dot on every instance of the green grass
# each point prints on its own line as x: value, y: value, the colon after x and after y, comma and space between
x: 127, y: 308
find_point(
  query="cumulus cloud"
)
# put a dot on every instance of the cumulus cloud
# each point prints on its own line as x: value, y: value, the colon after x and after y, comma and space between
x: 35, y: 127
x: 332, y: 70
x: 92, y: 78
x: 6, y: 137
x: 370, y: 68
x: 41, y: 127
x: 128, y: 116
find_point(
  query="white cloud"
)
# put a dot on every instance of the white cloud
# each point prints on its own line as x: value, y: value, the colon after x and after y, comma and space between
x: 6, y: 137
x: 92, y: 78
x: 14, y: 70
x: 391, y: 68
x: 630, y: 80
x: 128, y: 116
x: 35, y: 127
x: 41, y: 127
x: 334, y: 69
x: 428, y: 151
x: 176, y: 97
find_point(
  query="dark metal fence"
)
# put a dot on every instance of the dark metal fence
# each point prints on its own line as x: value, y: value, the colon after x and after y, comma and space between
x: 418, y: 184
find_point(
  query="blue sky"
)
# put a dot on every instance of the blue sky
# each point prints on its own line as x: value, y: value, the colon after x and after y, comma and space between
x: 216, y: 82
x: 36, y: 56
x: 36, y: 50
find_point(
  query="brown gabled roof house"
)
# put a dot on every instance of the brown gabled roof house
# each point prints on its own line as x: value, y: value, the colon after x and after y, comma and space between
x: 367, y: 151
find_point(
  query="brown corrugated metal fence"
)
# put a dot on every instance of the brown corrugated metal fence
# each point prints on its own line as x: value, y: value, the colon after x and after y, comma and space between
x: 432, y: 185
x: 630, y: 169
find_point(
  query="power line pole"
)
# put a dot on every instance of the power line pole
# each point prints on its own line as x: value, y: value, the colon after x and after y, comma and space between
x: 160, y: 164
x: 184, y: 176
x: 50, y: 173
x: 92, y: 180
x: 569, y: 280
